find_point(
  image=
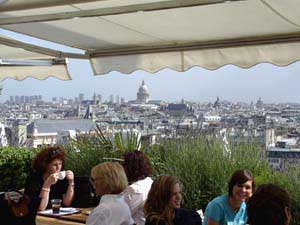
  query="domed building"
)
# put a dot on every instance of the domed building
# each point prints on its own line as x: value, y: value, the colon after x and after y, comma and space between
x: 142, y: 95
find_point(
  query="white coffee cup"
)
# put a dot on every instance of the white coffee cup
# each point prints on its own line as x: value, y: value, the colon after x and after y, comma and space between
x: 61, y: 175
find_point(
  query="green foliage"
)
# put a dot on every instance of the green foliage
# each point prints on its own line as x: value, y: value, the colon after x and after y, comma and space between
x: 90, y: 149
x: 132, y: 141
x: 204, y: 166
x: 14, y: 167
x: 290, y: 180
x: 200, y: 162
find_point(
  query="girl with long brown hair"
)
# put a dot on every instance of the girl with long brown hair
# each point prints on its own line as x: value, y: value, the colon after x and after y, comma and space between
x: 162, y: 206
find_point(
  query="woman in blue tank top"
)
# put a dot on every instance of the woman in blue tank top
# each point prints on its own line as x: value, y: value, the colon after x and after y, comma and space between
x: 230, y: 209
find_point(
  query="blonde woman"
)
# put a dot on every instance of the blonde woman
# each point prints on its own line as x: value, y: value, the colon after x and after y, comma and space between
x: 109, y: 181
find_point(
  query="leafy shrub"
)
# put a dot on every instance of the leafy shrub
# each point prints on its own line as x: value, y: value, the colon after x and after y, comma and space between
x: 90, y: 149
x: 14, y: 167
x: 290, y: 180
x: 86, y: 152
x: 204, y: 166
x: 201, y: 163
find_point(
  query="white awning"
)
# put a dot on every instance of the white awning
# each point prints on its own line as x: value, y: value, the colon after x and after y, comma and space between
x: 18, y: 63
x: 126, y: 35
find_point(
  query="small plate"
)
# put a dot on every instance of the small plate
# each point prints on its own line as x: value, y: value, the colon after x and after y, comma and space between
x: 63, y: 211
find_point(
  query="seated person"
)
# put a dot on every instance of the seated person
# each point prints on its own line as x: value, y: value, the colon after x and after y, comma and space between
x: 231, y: 208
x: 269, y: 205
x: 162, y: 206
x: 138, y: 169
x: 109, y: 180
x: 43, y: 183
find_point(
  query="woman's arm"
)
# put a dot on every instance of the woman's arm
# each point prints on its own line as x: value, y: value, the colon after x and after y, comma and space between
x: 212, y: 222
x: 68, y: 197
x: 44, y: 194
x: 214, y: 212
x: 133, y: 199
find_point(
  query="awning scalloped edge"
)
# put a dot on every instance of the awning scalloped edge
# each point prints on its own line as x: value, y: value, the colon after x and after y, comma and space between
x: 244, y: 57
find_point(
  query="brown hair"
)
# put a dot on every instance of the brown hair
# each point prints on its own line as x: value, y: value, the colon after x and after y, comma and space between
x: 267, y: 206
x: 112, y: 176
x: 46, y: 156
x: 240, y: 177
x: 157, y: 205
x: 137, y: 165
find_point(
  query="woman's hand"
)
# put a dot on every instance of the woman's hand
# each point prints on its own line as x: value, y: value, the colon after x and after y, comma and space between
x: 70, y: 176
x: 68, y: 197
x: 212, y: 222
x: 52, y: 179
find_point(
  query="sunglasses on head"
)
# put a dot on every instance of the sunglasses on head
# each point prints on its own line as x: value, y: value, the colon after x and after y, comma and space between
x: 55, y: 151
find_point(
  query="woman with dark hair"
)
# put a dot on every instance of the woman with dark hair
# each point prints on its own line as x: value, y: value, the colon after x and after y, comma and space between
x: 46, y: 182
x: 138, y: 169
x: 230, y: 209
x: 269, y: 205
x: 162, y: 206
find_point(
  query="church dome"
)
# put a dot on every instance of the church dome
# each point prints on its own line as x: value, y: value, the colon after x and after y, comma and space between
x: 143, y: 88
x: 143, y: 94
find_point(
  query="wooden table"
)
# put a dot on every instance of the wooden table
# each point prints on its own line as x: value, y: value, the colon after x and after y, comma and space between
x: 73, y: 219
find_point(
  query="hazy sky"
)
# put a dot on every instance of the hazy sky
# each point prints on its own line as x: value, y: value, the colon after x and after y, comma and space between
x: 271, y: 83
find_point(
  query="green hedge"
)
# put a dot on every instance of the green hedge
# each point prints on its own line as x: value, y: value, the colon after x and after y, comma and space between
x: 14, y: 167
x: 204, y: 166
x: 87, y: 152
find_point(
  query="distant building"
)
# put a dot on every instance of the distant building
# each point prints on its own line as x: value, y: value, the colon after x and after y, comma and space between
x: 259, y: 104
x: 80, y: 97
x: 212, y: 118
x: 281, y: 158
x: 48, y: 132
x: 19, y: 133
x: 96, y: 100
x: 270, y: 137
x: 122, y: 101
x: 157, y: 102
x: 217, y: 103
x: 111, y: 99
x: 3, y: 138
x: 179, y: 109
x: 142, y: 94
x: 117, y: 99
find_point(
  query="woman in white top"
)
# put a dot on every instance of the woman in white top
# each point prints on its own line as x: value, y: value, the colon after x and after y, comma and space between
x: 138, y: 169
x: 109, y: 180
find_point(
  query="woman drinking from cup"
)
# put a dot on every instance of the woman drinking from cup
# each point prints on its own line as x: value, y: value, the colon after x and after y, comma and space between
x: 230, y: 209
x: 48, y: 181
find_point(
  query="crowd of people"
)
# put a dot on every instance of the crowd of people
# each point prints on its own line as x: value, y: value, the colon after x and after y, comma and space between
x: 130, y: 196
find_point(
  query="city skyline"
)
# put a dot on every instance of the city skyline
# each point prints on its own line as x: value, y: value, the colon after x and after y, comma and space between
x: 272, y: 83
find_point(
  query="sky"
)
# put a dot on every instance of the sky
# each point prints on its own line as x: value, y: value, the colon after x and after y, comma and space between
x: 273, y: 84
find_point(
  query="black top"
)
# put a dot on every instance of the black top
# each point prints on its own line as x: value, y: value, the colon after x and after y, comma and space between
x: 35, y: 183
x: 182, y: 217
